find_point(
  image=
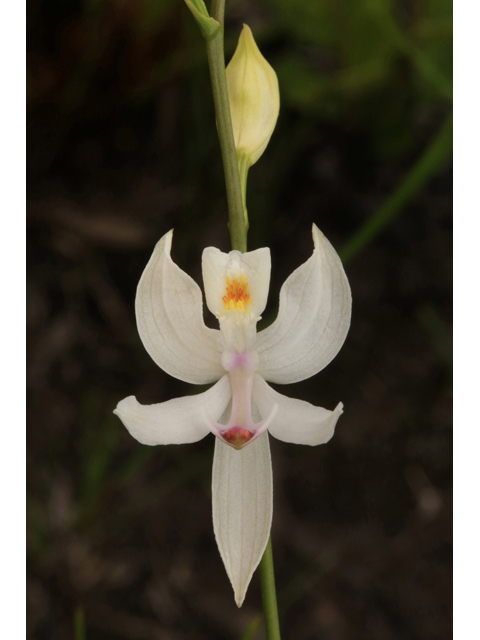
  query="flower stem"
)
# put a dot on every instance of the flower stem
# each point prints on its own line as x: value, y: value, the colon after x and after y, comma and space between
x: 243, y: 167
x: 216, y: 63
x: 269, y: 597
x: 79, y: 624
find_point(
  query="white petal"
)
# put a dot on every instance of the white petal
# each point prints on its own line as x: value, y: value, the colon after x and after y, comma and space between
x: 296, y: 421
x: 170, y: 322
x: 242, y: 496
x: 176, y: 421
x: 313, y: 318
x: 218, y: 266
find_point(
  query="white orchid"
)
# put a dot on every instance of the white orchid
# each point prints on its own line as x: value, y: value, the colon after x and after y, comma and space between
x: 312, y: 323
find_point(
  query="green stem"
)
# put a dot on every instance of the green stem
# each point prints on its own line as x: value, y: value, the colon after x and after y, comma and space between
x: 428, y: 164
x: 243, y: 167
x: 216, y: 63
x: 79, y: 624
x: 269, y: 597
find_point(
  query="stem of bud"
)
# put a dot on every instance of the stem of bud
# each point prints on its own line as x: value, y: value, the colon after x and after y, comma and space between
x: 216, y: 63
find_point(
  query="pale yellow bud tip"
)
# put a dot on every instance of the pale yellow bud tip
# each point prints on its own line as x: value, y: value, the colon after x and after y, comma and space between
x: 254, y: 97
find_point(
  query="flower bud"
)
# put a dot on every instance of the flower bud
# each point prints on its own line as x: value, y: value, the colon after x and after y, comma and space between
x: 254, y: 98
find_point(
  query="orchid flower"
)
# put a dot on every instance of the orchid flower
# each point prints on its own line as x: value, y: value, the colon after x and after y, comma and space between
x: 239, y: 409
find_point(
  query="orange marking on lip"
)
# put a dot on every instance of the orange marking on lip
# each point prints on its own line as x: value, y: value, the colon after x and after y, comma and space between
x: 237, y: 436
x: 237, y: 295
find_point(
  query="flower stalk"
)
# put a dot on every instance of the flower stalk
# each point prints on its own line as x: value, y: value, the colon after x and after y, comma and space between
x: 243, y: 167
x: 269, y: 596
x: 216, y: 63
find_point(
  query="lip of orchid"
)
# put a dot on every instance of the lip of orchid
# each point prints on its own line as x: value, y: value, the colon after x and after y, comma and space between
x: 238, y: 436
x: 241, y: 429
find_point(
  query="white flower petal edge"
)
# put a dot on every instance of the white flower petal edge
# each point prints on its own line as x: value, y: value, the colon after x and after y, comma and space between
x: 313, y: 318
x: 242, y: 496
x: 169, y: 311
x: 296, y: 421
x: 176, y: 421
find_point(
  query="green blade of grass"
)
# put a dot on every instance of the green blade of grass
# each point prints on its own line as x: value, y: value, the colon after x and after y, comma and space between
x: 421, y: 172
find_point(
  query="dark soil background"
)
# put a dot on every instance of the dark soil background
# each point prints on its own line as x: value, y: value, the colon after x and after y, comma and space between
x: 122, y: 147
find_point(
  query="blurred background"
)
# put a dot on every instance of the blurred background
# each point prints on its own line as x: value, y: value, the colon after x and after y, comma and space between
x: 122, y: 147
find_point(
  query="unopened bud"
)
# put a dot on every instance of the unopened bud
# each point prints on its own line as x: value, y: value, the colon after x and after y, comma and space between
x: 254, y: 98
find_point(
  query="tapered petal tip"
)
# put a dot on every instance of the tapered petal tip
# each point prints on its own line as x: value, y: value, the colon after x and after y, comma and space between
x: 336, y: 413
x: 315, y: 231
x: 118, y: 411
x: 240, y: 583
x: 317, y: 235
x: 242, y: 498
x: 168, y: 242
